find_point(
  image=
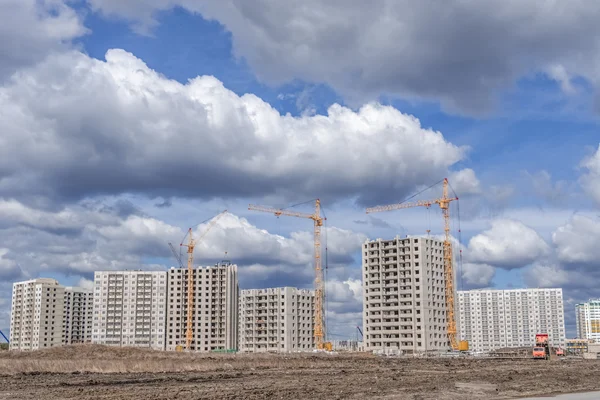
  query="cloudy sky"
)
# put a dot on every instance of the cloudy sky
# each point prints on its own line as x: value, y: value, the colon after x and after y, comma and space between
x: 124, y: 123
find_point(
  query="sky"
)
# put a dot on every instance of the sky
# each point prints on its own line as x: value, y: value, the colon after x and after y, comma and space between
x: 123, y: 124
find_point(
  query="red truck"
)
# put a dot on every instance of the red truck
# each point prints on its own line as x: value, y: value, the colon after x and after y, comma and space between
x: 541, y: 349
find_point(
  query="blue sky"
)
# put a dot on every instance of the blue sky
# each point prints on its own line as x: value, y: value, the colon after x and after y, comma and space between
x: 518, y: 138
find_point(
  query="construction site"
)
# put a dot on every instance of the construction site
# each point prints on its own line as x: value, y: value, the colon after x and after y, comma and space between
x: 192, y: 334
x: 100, y: 372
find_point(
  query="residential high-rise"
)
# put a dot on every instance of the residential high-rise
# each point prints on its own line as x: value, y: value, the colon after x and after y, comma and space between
x: 36, y: 317
x: 215, y: 313
x: 493, y: 319
x: 276, y: 320
x: 404, y: 295
x: 78, y: 312
x: 588, y: 320
x: 130, y: 308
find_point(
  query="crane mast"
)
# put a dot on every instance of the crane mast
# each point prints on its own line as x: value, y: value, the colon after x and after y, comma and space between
x: 444, y: 203
x: 191, y: 244
x: 319, y: 281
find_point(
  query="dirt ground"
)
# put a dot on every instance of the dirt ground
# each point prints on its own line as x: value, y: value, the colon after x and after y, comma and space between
x: 97, y: 372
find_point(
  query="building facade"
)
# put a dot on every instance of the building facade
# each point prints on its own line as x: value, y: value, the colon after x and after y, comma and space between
x: 577, y: 346
x: 276, y: 320
x: 215, y: 311
x: 36, y: 319
x: 404, y: 295
x: 77, y: 318
x: 494, y: 319
x: 588, y: 320
x: 130, y: 308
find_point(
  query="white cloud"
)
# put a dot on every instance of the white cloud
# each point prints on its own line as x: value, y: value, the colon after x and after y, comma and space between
x: 552, y: 193
x: 75, y: 127
x: 507, y: 244
x: 9, y: 268
x: 99, y: 238
x: 80, y: 239
x: 401, y: 47
x: 85, y: 283
x: 477, y: 275
x: 32, y: 29
x: 559, y: 74
x: 590, y: 181
x: 547, y: 276
x: 577, y: 241
x: 465, y: 182
x: 345, y: 291
x: 244, y: 241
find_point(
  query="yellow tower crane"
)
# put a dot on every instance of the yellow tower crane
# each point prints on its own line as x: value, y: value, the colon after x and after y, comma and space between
x: 319, y: 284
x: 191, y: 244
x: 444, y: 203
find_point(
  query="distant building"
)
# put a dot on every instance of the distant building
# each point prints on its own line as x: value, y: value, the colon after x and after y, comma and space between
x: 36, y: 319
x: 130, y: 308
x: 276, y: 320
x: 404, y: 297
x: 588, y: 320
x: 494, y: 319
x: 78, y: 315
x: 577, y: 346
x: 347, y: 345
x: 215, y: 314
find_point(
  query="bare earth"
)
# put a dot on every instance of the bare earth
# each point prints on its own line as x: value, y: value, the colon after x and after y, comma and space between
x: 97, y: 372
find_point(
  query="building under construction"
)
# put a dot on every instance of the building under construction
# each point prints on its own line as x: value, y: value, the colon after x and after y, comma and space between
x: 404, y: 302
x: 214, y: 308
x: 277, y: 320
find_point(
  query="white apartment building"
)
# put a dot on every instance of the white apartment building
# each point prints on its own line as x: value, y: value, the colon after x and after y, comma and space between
x: 36, y: 318
x: 215, y: 314
x: 588, y: 320
x: 130, y: 308
x: 276, y: 320
x: 493, y: 319
x: 77, y: 319
x: 404, y: 295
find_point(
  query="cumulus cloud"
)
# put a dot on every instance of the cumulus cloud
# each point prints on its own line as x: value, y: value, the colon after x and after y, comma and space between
x: 345, y: 293
x: 477, y: 275
x: 590, y: 181
x: 465, y: 182
x: 363, y: 49
x: 85, y: 283
x: 546, y: 276
x: 74, y: 126
x: 559, y: 74
x: 270, y: 253
x: 577, y: 241
x: 9, y: 268
x: 80, y: 239
x: 551, y: 192
x: 32, y: 29
x: 507, y: 244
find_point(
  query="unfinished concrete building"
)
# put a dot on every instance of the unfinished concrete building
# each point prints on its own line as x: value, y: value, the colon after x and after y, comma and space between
x: 404, y: 295
x: 36, y: 318
x: 129, y: 308
x: 215, y: 315
x: 276, y: 320
x: 78, y: 315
